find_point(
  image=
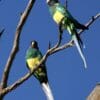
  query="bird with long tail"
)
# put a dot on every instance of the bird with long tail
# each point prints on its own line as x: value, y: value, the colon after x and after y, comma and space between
x: 33, y: 58
x: 66, y: 21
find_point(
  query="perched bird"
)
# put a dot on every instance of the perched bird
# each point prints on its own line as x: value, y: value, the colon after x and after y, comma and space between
x: 66, y: 21
x: 33, y: 58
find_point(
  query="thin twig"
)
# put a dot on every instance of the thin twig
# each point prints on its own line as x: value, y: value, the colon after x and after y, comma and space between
x: 59, y: 41
x: 97, y: 16
x: 66, y: 4
x: 15, y: 47
x: 2, y: 31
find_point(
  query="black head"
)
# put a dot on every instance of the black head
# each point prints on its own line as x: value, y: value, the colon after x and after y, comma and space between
x: 52, y: 2
x: 34, y: 44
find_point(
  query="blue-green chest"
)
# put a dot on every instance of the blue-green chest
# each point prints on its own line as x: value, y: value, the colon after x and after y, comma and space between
x: 32, y: 53
x: 54, y: 8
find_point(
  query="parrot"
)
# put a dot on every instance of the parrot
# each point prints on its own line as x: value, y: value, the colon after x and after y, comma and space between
x: 66, y: 21
x: 33, y: 58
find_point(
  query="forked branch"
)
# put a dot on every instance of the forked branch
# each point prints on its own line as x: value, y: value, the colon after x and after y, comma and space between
x: 15, y: 47
x: 49, y: 52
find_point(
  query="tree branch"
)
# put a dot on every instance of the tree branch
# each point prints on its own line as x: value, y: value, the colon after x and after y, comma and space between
x: 90, y: 22
x: 2, y: 31
x: 49, y: 52
x: 24, y: 78
x: 16, y: 84
x: 15, y: 47
x: 71, y: 43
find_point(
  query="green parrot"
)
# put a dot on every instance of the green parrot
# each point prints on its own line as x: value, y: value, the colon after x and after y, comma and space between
x: 66, y: 21
x: 33, y: 58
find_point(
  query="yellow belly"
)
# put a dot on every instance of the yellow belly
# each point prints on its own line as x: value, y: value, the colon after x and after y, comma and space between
x: 58, y: 17
x: 32, y: 63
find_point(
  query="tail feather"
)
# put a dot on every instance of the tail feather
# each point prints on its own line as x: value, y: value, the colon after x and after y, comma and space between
x: 77, y: 43
x: 47, y: 91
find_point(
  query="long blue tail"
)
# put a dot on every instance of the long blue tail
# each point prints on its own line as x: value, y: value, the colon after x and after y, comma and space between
x: 78, y: 43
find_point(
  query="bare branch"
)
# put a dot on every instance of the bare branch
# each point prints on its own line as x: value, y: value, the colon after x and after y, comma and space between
x: 16, y: 84
x: 71, y: 43
x: 90, y: 22
x: 58, y: 43
x: 24, y: 78
x: 15, y: 47
x: 49, y: 52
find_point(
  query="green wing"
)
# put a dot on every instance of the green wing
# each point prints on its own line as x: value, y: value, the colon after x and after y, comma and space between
x: 33, y: 58
x: 67, y: 14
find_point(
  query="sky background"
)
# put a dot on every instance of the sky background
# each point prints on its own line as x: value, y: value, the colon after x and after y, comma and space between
x: 67, y: 76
